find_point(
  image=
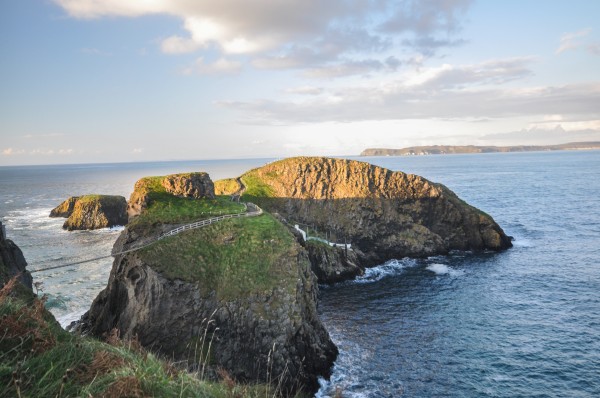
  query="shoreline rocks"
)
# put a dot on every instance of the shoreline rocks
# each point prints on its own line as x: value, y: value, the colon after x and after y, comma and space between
x: 12, y: 263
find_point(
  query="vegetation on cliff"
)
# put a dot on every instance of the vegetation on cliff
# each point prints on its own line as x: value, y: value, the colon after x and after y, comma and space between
x: 234, y: 258
x: 151, y: 204
x: 40, y: 359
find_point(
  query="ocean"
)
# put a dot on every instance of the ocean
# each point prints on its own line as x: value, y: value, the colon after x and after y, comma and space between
x: 521, y: 323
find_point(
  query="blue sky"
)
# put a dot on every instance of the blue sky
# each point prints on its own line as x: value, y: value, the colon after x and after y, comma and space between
x: 132, y: 80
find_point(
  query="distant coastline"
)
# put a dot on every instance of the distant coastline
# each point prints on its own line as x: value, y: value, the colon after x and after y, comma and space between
x: 456, y: 149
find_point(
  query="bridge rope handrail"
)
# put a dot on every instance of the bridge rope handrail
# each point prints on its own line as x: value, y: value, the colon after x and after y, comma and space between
x: 197, y: 224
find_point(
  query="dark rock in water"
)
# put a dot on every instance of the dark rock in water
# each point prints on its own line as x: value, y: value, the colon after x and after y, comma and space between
x: 333, y: 264
x: 12, y: 263
x: 192, y: 185
x: 92, y: 212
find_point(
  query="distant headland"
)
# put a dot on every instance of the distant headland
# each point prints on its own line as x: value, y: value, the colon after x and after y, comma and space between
x: 455, y: 149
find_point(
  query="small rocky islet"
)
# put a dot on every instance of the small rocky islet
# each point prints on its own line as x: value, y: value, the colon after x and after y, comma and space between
x: 242, y: 293
x: 92, y: 212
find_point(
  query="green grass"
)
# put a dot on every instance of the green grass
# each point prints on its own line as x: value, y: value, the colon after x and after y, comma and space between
x: 256, y: 187
x: 235, y: 257
x: 165, y: 208
x: 39, y: 359
x: 227, y: 186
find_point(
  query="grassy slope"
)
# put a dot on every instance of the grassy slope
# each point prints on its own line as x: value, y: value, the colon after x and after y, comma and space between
x: 39, y: 359
x: 235, y: 257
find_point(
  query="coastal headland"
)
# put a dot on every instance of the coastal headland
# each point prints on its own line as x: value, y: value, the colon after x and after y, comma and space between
x: 456, y: 149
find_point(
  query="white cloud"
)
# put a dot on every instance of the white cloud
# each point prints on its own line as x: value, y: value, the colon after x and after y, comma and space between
x: 12, y: 151
x: 221, y: 66
x: 314, y: 34
x: 570, y: 41
x: 305, y: 90
x: 179, y: 45
x: 397, y: 101
x: 137, y: 150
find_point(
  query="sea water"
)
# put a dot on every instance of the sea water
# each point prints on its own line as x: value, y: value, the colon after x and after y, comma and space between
x: 521, y: 323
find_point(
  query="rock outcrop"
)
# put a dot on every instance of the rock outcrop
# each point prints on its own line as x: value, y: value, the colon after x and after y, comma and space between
x: 241, y: 289
x: 65, y: 209
x: 92, y: 212
x: 197, y: 185
x: 12, y: 263
x: 333, y: 264
x: 191, y: 185
x: 384, y: 214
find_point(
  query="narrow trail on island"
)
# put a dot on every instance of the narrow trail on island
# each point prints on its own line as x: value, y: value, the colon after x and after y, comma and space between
x: 251, y: 210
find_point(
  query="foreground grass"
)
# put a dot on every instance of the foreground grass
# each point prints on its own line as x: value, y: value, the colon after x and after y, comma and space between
x: 235, y: 257
x: 39, y: 359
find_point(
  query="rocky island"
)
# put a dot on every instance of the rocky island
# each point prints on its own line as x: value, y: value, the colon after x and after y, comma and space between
x: 238, y: 295
x: 383, y: 214
x: 92, y: 212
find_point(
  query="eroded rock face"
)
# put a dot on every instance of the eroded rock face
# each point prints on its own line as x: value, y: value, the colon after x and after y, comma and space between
x: 257, y: 338
x: 12, y: 262
x: 384, y: 214
x: 92, y: 212
x: 333, y: 264
x: 65, y: 208
x: 191, y: 185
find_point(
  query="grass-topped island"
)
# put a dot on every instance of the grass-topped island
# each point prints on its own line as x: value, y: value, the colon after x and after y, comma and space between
x: 237, y: 295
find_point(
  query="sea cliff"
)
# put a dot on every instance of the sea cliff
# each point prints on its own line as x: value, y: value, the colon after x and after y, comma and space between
x: 92, y: 212
x: 238, y: 295
x: 383, y: 214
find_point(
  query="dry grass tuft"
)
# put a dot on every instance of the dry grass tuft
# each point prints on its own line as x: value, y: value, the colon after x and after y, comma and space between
x: 103, y: 362
x: 26, y: 326
x: 127, y: 386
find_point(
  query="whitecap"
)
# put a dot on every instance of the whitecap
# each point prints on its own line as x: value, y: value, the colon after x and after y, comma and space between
x: 392, y: 267
x: 65, y: 320
x: 443, y: 269
x: 520, y: 242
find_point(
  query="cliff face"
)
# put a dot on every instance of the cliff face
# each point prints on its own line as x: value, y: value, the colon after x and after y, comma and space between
x: 384, y: 214
x: 92, y: 212
x: 65, y: 209
x: 12, y: 262
x: 190, y: 185
x: 238, y: 295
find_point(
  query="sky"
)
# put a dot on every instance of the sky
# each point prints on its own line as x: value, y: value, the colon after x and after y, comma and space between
x: 88, y: 81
